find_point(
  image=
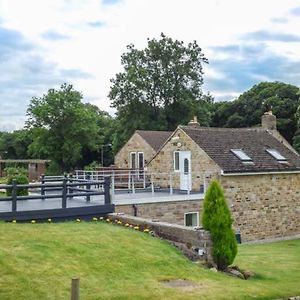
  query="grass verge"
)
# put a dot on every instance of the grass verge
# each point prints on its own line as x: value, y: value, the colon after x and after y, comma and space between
x: 37, y: 261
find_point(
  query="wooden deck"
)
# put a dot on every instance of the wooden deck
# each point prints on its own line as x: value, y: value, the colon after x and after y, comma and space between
x: 66, y: 199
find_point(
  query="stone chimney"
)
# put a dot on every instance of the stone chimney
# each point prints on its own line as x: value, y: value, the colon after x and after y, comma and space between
x: 268, y: 121
x: 194, y: 123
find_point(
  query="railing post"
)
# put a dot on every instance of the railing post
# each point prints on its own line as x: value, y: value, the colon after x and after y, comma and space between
x: 144, y: 179
x: 188, y: 183
x: 133, y: 188
x: 64, y: 193
x: 171, y: 185
x: 113, y: 186
x: 42, y: 187
x: 88, y: 187
x: 107, y: 190
x: 14, y: 195
x: 129, y: 178
x: 152, y: 185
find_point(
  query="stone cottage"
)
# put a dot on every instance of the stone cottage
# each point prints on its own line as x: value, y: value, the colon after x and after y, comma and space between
x: 140, y: 149
x: 258, y: 169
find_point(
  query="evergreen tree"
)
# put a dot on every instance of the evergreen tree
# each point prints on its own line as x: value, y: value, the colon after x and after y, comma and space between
x: 216, y: 218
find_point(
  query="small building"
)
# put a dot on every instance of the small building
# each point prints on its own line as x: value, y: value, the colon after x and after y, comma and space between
x: 140, y: 149
x: 35, y: 167
x: 258, y: 169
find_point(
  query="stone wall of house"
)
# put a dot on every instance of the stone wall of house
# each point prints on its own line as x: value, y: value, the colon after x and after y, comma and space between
x: 170, y: 212
x: 203, y: 168
x: 135, y: 144
x: 264, y: 206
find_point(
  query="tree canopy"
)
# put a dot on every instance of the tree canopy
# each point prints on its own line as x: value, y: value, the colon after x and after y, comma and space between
x: 160, y: 87
x: 247, y: 109
x: 62, y: 126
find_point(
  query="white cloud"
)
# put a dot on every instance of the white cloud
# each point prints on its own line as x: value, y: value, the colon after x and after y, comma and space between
x: 96, y: 50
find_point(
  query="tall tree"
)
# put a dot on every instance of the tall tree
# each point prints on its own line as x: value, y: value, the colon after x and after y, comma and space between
x: 160, y: 87
x: 14, y: 144
x: 62, y: 126
x: 246, y: 111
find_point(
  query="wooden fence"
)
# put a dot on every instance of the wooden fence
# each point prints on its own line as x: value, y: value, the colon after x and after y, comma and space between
x: 59, y: 187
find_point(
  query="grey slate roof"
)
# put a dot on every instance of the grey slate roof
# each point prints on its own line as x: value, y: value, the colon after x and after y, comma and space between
x: 218, y: 142
x: 154, y: 138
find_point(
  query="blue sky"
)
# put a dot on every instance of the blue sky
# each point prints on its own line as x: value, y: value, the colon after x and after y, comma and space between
x: 45, y: 43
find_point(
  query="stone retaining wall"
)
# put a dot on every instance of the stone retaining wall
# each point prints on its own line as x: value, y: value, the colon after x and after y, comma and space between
x: 170, y: 212
x: 191, y: 240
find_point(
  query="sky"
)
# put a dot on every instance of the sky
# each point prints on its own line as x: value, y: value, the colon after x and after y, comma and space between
x: 46, y: 43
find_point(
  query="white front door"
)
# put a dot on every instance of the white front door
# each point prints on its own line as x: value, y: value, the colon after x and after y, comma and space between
x: 185, y: 170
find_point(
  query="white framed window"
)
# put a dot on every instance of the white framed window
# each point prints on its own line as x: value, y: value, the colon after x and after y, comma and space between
x: 276, y: 154
x: 132, y: 160
x: 191, y: 219
x: 140, y: 164
x: 241, y: 155
x: 141, y: 160
x: 176, y: 161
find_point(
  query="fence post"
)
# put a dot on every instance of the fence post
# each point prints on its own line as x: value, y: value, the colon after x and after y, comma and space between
x: 42, y: 187
x: 88, y: 187
x: 107, y: 190
x: 70, y: 189
x: 64, y: 193
x: 75, y: 289
x: 14, y: 195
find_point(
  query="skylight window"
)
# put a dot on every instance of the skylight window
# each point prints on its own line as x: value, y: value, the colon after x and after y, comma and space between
x: 276, y: 155
x: 241, y: 155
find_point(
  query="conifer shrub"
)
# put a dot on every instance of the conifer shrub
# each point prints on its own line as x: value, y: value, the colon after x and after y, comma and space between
x: 216, y: 218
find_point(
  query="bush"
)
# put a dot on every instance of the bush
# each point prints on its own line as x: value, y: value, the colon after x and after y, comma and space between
x: 12, y: 171
x: 20, y: 179
x: 216, y: 218
x: 92, y: 166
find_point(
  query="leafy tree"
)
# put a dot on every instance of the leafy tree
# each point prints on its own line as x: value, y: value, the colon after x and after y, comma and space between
x: 247, y: 109
x: 105, y: 125
x: 159, y: 88
x: 216, y: 218
x: 14, y: 145
x: 62, y: 126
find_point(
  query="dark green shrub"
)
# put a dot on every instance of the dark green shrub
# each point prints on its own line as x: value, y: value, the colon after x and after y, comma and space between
x: 20, y: 179
x: 216, y: 218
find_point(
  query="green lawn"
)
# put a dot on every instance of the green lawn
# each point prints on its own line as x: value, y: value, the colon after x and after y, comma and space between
x: 37, y: 261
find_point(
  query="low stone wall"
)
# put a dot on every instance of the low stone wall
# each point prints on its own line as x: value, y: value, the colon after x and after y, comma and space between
x: 195, y: 243
x: 170, y: 212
